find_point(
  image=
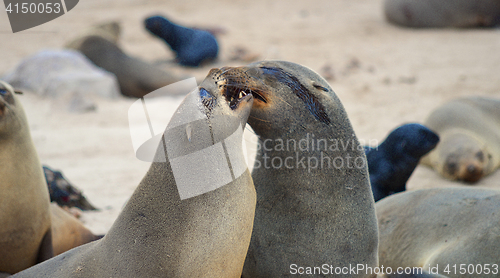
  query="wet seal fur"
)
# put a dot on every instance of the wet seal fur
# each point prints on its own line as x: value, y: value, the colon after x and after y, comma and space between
x: 443, y: 13
x: 136, y: 78
x: 469, y: 129
x: 440, y: 226
x: 159, y: 235
x: 304, y: 217
x: 391, y: 163
x: 25, y: 231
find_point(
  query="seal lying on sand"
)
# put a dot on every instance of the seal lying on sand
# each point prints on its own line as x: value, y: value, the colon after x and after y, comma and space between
x: 314, y: 203
x: 443, y: 13
x: 192, y: 214
x: 469, y: 129
x: 391, y: 163
x: 451, y: 230
x: 136, y: 78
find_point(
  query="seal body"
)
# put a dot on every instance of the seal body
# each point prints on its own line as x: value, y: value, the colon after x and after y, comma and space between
x: 443, y: 13
x: 469, y: 129
x: 171, y: 227
x: 391, y: 163
x: 25, y: 234
x: 136, y: 78
x: 314, y: 203
x: 435, y: 228
x: 192, y: 47
x: 67, y: 231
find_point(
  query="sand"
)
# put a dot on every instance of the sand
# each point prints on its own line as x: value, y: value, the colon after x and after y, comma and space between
x: 384, y: 75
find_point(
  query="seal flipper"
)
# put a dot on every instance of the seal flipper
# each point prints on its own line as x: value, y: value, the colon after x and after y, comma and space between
x: 46, y: 251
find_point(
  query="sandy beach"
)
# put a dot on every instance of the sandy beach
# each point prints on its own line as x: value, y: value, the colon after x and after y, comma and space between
x: 384, y: 75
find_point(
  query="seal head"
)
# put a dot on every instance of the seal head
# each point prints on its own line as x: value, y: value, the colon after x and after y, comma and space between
x: 392, y: 162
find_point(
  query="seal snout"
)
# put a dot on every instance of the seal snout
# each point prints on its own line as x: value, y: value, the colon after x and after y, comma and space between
x: 473, y: 173
x: 236, y: 86
x: 6, y: 96
x: 470, y: 172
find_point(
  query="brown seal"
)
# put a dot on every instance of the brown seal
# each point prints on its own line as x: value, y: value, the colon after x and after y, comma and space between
x: 192, y: 213
x: 469, y: 129
x: 25, y: 234
x: 67, y: 231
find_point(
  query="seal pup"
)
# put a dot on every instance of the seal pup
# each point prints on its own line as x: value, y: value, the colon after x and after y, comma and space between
x: 191, y: 46
x: 169, y: 228
x: 305, y: 216
x: 469, y: 129
x: 392, y: 162
x: 25, y: 233
x: 442, y: 230
x: 443, y: 13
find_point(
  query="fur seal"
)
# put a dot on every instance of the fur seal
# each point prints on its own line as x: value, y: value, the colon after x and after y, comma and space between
x: 469, y: 129
x: 441, y: 230
x: 443, y: 13
x: 391, y: 163
x: 25, y: 233
x: 136, y: 78
x: 67, y: 231
x: 169, y: 228
x: 110, y: 31
x: 191, y: 46
x: 305, y: 215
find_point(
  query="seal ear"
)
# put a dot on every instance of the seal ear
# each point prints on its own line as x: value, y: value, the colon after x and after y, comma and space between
x: 319, y: 87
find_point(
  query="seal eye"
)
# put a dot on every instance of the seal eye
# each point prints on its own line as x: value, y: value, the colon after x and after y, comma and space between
x: 403, y: 144
x: 207, y: 100
x: 7, y: 96
x: 451, y: 167
x: 480, y: 156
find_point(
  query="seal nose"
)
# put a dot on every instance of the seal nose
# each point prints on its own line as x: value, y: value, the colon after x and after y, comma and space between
x: 473, y: 173
x: 471, y: 169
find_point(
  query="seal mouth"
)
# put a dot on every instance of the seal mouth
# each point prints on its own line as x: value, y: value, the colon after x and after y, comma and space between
x: 234, y: 100
x: 236, y: 85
